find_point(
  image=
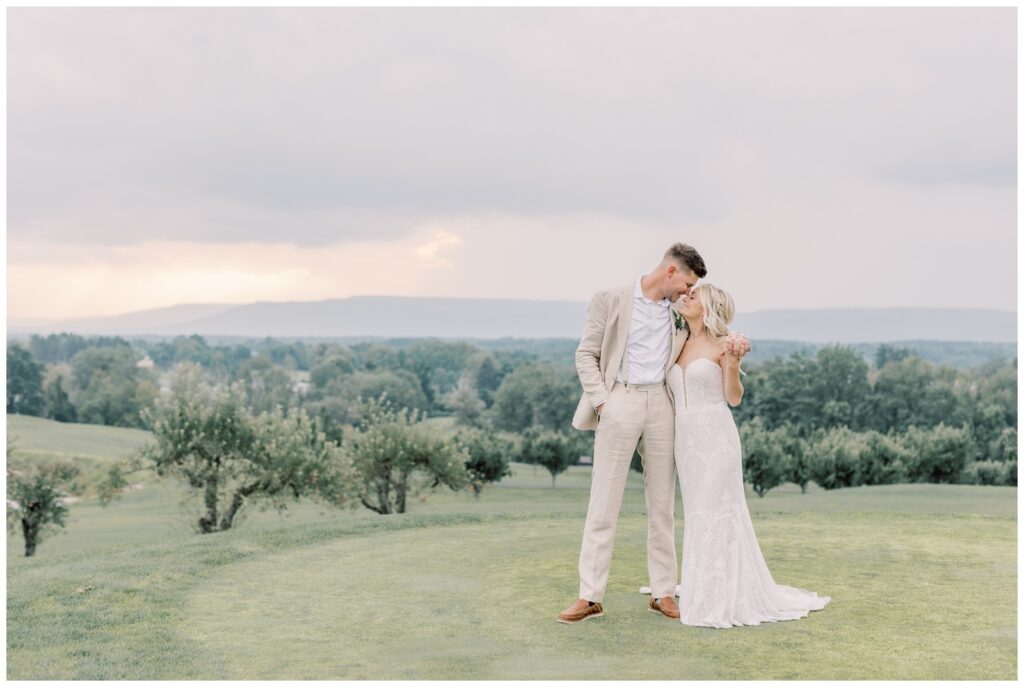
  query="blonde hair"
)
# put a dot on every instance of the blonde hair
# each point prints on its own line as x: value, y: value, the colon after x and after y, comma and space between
x: 719, y: 309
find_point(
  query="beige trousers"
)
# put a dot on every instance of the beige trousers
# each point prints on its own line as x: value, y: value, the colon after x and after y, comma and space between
x: 632, y: 418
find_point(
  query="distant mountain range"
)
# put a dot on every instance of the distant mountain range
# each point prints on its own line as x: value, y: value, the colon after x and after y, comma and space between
x: 398, y: 316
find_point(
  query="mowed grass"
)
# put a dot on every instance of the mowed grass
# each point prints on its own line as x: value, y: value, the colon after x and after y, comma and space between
x: 922, y: 577
x: 39, y: 436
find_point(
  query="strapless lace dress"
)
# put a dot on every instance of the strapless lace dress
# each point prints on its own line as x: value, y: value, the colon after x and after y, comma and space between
x: 724, y: 578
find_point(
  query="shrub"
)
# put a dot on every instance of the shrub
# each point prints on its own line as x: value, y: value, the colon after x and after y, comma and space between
x: 488, y: 453
x: 984, y: 472
x: 396, y: 455
x: 1010, y: 473
x: 835, y: 458
x: 1004, y: 447
x: 764, y: 460
x: 939, y: 454
x: 883, y: 459
x: 554, y: 451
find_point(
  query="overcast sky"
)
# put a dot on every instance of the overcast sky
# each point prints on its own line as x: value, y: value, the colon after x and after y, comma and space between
x: 815, y: 157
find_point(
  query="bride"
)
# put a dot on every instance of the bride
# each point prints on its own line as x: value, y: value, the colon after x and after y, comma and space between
x: 725, y: 580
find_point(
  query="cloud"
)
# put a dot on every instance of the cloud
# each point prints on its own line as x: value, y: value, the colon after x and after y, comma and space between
x: 437, y: 250
x: 822, y: 130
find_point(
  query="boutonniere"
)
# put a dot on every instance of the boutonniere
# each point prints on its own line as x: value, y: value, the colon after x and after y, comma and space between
x: 680, y: 322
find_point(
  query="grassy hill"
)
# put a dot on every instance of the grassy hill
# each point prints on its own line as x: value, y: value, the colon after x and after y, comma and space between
x: 923, y: 581
x: 40, y: 436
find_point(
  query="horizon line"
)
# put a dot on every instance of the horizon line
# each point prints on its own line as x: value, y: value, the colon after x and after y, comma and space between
x: 38, y: 321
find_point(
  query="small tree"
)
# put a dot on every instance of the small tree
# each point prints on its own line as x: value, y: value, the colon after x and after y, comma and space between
x: 985, y: 472
x: 938, y: 454
x: 1010, y: 473
x: 551, y: 450
x: 1004, y: 447
x: 765, y: 464
x: 58, y: 404
x: 465, y: 404
x: 108, y: 388
x: 886, y: 353
x: 835, y: 458
x: 206, y: 436
x: 883, y: 459
x: 394, y: 454
x: 535, y: 394
x: 24, y: 382
x: 290, y: 459
x: 487, y: 377
x: 488, y: 457
x: 36, y: 497
x: 796, y: 456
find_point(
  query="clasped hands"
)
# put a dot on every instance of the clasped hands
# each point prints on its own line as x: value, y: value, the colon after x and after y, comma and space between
x: 736, y: 346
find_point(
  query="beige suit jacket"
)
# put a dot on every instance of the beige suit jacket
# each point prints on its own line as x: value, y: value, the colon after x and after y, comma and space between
x: 603, y: 346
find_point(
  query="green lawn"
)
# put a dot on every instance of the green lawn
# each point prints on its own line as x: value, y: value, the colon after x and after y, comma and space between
x: 922, y: 577
x: 39, y: 436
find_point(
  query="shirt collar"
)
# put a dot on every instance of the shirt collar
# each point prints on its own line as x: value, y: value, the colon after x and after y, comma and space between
x: 638, y: 292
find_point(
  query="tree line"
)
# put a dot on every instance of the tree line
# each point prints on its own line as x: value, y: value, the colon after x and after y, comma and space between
x: 236, y: 425
x: 832, y: 419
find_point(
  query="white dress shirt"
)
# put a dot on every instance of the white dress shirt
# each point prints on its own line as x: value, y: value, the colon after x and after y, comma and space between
x: 650, y: 340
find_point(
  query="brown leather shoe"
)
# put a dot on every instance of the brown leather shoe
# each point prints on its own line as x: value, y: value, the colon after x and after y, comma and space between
x: 580, y: 611
x: 666, y: 605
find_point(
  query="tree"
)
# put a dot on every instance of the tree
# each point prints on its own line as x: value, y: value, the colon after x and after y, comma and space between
x: 985, y: 472
x: 36, y: 496
x: 375, y: 356
x: 394, y: 455
x: 488, y: 460
x: 206, y: 436
x: 24, y: 382
x: 342, y: 397
x: 336, y: 365
x: 840, y: 387
x: 536, y: 394
x: 108, y: 388
x: 939, y: 454
x: 1010, y: 473
x: 796, y: 456
x: 987, y: 398
x: 911, y: 392
x: 886, y: 353
x: 782, y: 391
x: 764, y: 461
x: 883, y: 459
x: 57, y: 348
x: 835, y: 458
x: 58, y: 404
x: 266, y: 385
x: 465, y: 404
x: 438, y: 365
x: 554, y: 451
x: 1004, y: 447
x: 487, y: 377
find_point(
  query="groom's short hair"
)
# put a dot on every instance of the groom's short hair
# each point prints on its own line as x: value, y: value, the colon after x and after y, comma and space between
x: 687, y: 256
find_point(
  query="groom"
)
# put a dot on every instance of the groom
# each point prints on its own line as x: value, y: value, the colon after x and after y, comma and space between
x: 631, y: 338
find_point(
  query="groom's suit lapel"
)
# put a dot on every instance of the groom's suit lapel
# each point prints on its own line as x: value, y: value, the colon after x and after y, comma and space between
x: 678, y: 338
x: 625, y: 317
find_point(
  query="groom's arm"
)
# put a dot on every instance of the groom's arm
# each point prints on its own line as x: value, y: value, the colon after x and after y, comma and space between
x: 588, y: 353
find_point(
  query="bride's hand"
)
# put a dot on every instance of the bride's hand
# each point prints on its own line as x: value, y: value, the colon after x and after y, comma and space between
x: 737, y: 345
x: 728, y: 358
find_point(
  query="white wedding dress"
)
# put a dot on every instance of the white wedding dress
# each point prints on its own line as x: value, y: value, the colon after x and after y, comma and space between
x: 724, y: 578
